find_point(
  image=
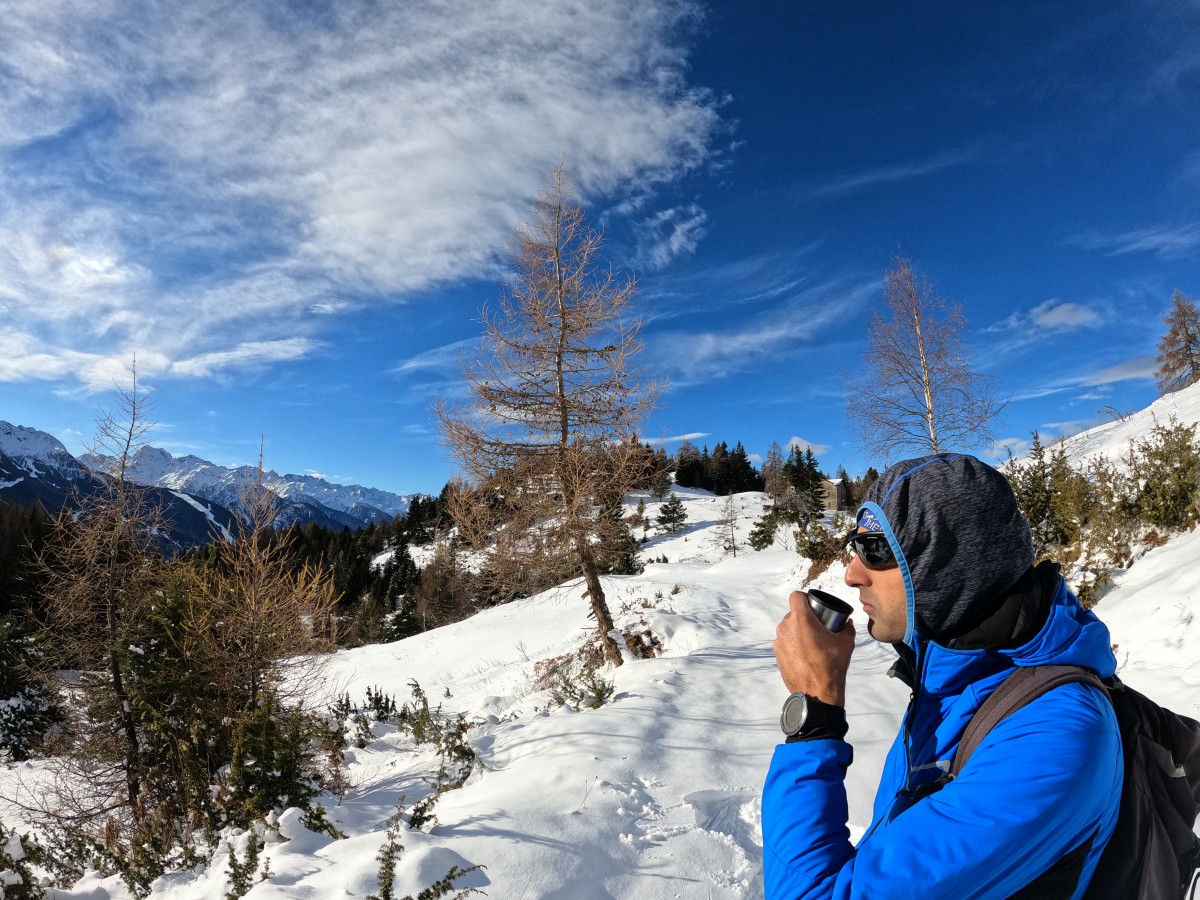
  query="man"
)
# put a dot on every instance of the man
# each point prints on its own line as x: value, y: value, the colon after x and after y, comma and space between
x: 943, y: 565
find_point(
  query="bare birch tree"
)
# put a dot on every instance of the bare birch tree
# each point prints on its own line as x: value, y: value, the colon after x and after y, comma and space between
x: 555, y: 399
x: 772, y: 471
x: 916, y: 391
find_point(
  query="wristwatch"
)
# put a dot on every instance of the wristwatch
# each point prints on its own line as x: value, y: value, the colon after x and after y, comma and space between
x: 803, y: 715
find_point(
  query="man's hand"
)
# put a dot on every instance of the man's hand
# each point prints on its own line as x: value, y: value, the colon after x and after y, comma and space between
x: 812, y: 659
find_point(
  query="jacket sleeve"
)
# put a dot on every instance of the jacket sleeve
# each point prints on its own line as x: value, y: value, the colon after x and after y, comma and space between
x: 1042, y: 783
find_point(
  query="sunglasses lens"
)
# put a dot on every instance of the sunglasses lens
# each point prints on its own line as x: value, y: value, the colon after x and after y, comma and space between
x: 874, y: 549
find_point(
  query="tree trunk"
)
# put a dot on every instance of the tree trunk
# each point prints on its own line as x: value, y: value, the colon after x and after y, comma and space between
x: 926, y: 379
x: 133, y: 782
x: 604, y: 619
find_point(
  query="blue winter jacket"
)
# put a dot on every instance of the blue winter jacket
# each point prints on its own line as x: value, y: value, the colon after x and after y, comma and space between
x: 1045, y: 781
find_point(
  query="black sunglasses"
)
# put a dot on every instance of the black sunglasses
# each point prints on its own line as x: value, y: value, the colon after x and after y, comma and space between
x: 872, y: 548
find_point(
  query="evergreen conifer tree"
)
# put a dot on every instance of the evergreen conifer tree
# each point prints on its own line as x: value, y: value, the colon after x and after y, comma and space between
x: 672, y: 515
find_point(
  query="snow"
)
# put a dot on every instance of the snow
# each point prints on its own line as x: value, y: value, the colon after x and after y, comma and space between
x: 28, y: 447
x: 155, y: 466
x: 28, y: 443
x: 1112, y: 439
x: 208, y: 514
x: 656, y: 793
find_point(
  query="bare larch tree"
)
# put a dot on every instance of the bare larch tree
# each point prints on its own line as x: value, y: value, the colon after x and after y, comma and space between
x: 546, y: 437
x: 100, y: 580
x: 1179, y: 348
x: 916, y: 390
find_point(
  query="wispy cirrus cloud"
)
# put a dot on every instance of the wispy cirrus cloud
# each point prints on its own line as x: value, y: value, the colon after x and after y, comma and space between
x: 897, y: 172
x: 699, y: 356
x: 675, y: 438
x: 1163, y: 241
x: 186, y: 181
x: 670, y: 233
x: 443, y: 360
x: 251, y: 354
x: 1141, y: 367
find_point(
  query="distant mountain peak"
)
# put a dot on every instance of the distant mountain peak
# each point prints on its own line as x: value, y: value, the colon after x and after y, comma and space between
x: 339, y: 505
x: 20, y: 442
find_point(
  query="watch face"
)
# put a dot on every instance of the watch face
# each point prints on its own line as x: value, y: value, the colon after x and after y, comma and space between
x: 795, y: 711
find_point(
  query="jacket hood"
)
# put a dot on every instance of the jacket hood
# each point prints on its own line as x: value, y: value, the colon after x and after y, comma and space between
x: 958, y: 535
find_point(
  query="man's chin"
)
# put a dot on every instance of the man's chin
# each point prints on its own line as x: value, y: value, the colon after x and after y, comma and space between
x: 872, y: 627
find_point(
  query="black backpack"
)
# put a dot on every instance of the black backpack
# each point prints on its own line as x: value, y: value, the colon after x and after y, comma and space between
x: 1153, y: 853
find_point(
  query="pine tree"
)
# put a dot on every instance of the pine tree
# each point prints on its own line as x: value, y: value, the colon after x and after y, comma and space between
x: 1179, y: 348
x: 689, y: 469
x: 660, y: 484
x: 672, y: 515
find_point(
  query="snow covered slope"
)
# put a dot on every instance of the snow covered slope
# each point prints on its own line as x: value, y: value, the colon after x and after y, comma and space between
x: 32, y: 452
x: 1112, y: 438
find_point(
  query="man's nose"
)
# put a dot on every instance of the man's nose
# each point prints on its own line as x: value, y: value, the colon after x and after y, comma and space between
x: 856, y: 573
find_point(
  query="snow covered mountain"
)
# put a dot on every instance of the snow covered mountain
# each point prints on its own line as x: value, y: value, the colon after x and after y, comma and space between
x: 306, y: 497
x: 36, y: 469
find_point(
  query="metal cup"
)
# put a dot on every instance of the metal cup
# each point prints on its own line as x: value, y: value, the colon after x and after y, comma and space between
x: 832, y: 611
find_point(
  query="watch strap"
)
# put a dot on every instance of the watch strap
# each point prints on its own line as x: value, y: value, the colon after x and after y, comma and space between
x: 823, y: 722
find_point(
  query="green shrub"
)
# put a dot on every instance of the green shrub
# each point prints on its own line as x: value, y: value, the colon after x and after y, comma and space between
x: 762, y: 535
x: 1057, y: 500
x: 275, y: 766
x: 389, y: 855
x: 18, y: 853
x: 29, y: 710
x: 243, y: 872
x: 1164, y: 476
x: 822, y: 545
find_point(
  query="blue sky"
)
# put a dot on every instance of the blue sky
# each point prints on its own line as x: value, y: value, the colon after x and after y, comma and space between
x: 293, y: 212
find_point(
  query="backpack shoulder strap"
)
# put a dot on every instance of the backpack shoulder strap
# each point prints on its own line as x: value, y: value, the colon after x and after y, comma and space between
x: 1019, y: 689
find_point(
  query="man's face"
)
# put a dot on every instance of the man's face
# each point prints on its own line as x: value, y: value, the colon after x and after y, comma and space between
x: 881, y: 593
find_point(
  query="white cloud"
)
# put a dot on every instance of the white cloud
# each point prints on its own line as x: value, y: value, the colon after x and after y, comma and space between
x: 1057, y: 315
x: 817, y: 449
x: 1140, y: 367
x: 1053, y: 315
x: 1060, y: 430
x: 1001, y: 447
x: 328, y: 308
x: 446, y: 359
x: 236, y: 167
x: 252, y: 354
x: 671, y: 233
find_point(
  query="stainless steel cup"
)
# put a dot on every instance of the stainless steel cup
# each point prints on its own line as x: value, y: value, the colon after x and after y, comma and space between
x: 832, y: 611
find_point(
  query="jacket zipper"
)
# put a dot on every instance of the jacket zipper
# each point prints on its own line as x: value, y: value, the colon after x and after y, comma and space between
x: 918, y: 678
